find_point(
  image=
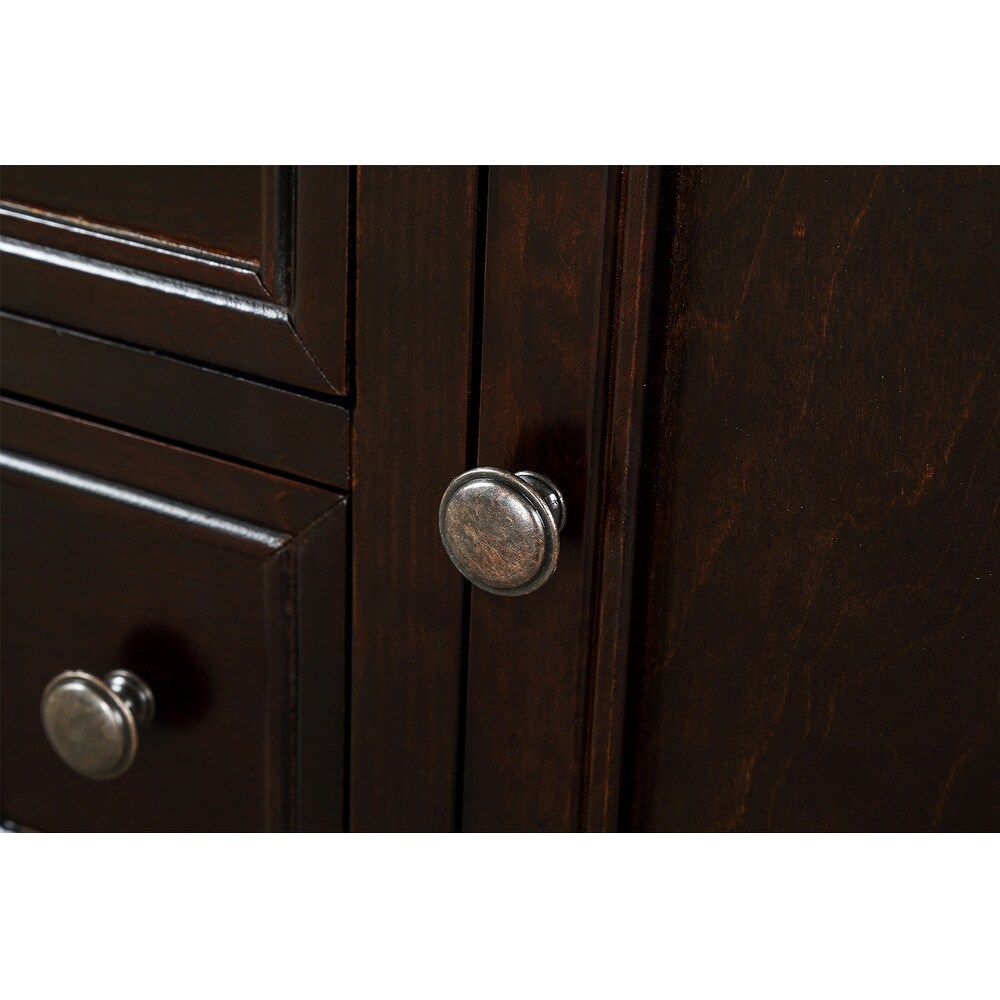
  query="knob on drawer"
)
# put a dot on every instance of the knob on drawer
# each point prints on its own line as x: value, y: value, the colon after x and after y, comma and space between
x: 93, y: 724
x: 501, y: 529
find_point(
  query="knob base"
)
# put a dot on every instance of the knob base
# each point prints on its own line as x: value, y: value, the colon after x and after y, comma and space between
x: 136, y: 694
x: 549, y: 492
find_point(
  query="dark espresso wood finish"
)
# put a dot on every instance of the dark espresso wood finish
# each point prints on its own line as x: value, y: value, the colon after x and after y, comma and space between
x: 82, y: 239
x: 175, y: 400
x: 246, y: 272
x: 118, y: 552
x: 414, y: 336
x: 320, y: 274
x: 769, y: 399
x: 226, y: 228
x: 645, y: 212
x: 550, y: 266
x: 819, y: 619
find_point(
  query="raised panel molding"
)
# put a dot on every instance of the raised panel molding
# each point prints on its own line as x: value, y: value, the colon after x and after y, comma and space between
x: 279, y: 315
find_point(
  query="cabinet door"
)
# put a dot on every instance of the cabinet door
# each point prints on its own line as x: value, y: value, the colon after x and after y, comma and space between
x: 546, y: 357
x: 518, y: 341
x: 220, y: 587
x: 245, y: 268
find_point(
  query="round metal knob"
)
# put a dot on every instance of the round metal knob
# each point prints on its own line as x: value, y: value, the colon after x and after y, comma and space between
x: 94, y: 724
x: 501, y: 529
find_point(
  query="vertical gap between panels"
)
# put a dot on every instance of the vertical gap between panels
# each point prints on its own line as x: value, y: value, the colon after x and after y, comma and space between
x: 352, y: 271
x: 611, y: 294
x: 350, y: 321
x: 659, y: 405
x: 471, y: 457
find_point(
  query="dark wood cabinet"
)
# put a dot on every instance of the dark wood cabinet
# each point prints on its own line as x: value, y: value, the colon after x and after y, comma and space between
x: 234, y: 397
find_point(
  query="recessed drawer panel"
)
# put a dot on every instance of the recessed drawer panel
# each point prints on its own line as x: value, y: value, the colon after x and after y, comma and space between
x: 219, y: 587
x: 217, y: 210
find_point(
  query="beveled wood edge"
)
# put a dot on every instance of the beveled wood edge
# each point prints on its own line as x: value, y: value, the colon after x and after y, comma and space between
x: 320, y: 752
x: 234, y: 532
x: 252, y: 335
x: 325, y: 460
x: 215, y: 484
x: 305, y: 773
x: 276, y: 221
x: 254, y: 293
x: 130, y: 249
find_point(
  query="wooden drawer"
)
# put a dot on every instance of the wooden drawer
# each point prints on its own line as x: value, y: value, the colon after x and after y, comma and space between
x: 244, y: 268
x: 220, y: 586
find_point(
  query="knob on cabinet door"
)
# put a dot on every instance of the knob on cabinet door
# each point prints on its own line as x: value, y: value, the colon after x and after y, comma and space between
x: 501, y: 529
x: 93, y: 724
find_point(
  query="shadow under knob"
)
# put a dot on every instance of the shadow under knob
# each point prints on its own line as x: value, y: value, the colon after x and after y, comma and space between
x: 93, y: 724
x: 501, y: 529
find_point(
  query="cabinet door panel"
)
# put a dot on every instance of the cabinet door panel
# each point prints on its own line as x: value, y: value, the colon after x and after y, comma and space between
x: 563, y: 253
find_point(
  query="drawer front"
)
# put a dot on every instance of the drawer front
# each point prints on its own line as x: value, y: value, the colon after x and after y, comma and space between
x: 219, y: 587
x: 245, y: 269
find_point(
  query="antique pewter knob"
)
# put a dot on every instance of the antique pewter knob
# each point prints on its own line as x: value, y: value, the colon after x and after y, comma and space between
x: 94, y: 724
x: 501, y: 529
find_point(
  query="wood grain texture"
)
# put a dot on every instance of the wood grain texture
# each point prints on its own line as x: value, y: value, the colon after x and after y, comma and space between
x: 414, y: 328
x: 818, y: 630
x: 322, y: 242
x: 119, y: 552
x: 550, y: 257
x: 176, y: 400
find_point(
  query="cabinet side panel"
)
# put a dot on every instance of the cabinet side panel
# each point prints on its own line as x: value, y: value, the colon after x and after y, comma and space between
x: 819, y: 627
